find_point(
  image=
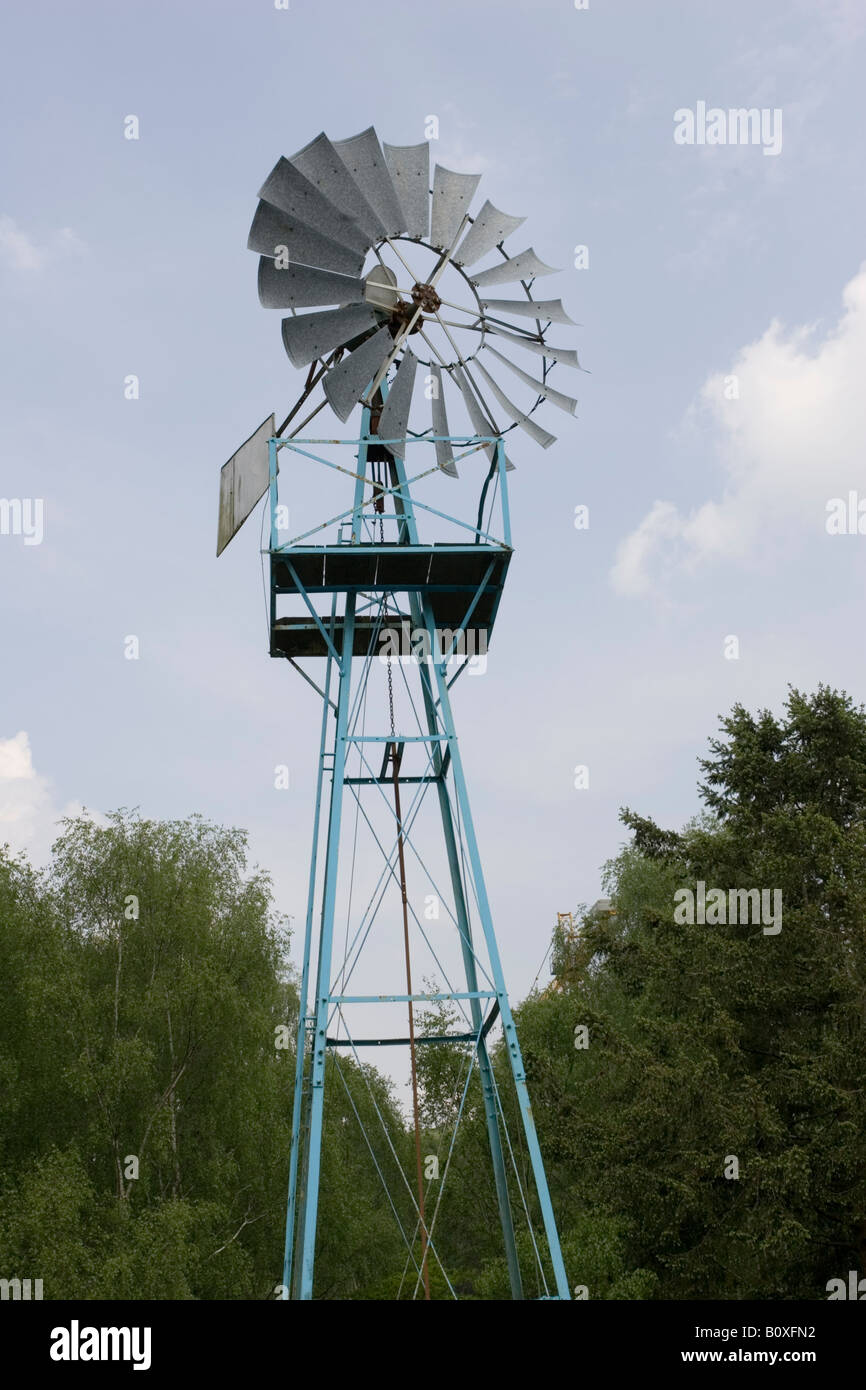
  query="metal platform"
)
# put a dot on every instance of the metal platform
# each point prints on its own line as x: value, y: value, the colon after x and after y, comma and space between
x: 460, y: 580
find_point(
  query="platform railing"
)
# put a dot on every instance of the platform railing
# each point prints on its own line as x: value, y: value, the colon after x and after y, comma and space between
x: 404, y: 498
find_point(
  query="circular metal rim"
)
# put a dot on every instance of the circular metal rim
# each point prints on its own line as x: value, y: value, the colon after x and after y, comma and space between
x: 452, y: 265
x: 425, y: 362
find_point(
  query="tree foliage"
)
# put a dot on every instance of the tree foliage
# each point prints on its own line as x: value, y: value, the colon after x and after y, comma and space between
x: 146, y: 1109
x: 715, y: 1042
x: 708, y: 1141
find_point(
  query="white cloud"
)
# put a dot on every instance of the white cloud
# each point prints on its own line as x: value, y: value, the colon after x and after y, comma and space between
x: 16, y: 248
x: 28, y: 808
x: 16, y: 762
x: 18, y: 251
x: 794, y: 437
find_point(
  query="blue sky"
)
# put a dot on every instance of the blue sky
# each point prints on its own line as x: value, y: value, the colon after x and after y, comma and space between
x: 707, y: 512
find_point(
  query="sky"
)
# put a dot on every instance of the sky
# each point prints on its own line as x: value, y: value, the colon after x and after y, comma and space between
x: 722, y: 310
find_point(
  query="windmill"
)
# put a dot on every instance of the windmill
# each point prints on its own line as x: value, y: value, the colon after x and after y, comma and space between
x: 392, y: 291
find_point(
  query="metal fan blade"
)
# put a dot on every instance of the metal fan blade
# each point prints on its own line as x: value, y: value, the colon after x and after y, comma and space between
x: 566, y: 357
x: 345, y: 383
x: 394, y: 420
x: 530, y: 308
x: 409, y: 167
x: 444, y: 452
x: 295, y: 195
x: 380, y: 289
x: 301, y: 286
x: 320, y: 163
x: 489, y: 228
x: 452, y: 194
x: 308, y: 336
x: 534, y: 431
x: 272, y: 228
x: 566, y: 403
x: 480, y: 423
x: 522, y: 267
x: 363, y: 157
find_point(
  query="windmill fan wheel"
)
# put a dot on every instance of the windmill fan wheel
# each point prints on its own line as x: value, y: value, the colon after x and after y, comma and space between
x: 401, y: 276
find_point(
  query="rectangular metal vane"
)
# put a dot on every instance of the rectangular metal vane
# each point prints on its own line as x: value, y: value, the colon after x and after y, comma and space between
x: 444, y: 452
x: 243, y: 482
x: 303, y: 286
x: 308, y: 336
x: 288, y: 189
x: 272, y: 229
x: 321, y: 164
x: 452, y: 195
x: 522, y: 267
x: 567, y: 357
x: 363, y: 157
x: 535, y: 431
x: 567, y: 403
x: 344, y: 384
x: 530, y: 308
x: 489, y: 228
x: 480, y: 423
x: 394, y: 419
x: 409, y: 166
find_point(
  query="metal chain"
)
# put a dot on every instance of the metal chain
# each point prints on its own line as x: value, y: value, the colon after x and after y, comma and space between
x: 391, y: 695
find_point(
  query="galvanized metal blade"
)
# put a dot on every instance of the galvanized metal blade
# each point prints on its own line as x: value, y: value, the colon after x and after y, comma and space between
x: 452, y: 195
x: 302, y: 286
x: 541, y: 436
x: 363, y: 157
x: 521, y: 267
x: 320, y: 163
x: 480, y: 422
x: 288, y: 189
x: 345, y: 384
x: 394, y: 420
x: 272, y: 230
x: 409, y: 167
x: 566, y: 357
x: 308, y: 336
x: 566, y: 403
x: 444, y: 452
x: 489, y: 228
x: 530, y: 308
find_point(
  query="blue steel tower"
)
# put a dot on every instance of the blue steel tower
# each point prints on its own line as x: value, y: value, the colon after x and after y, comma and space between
x: 394, y: 588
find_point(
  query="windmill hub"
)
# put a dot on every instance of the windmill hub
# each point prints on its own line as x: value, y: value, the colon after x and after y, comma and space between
x: 427, y: 298
x: 402, y: 314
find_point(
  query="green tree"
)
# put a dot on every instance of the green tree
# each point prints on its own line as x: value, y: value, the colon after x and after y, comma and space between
x: 146, y: 1103
x: 715, y: 1042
